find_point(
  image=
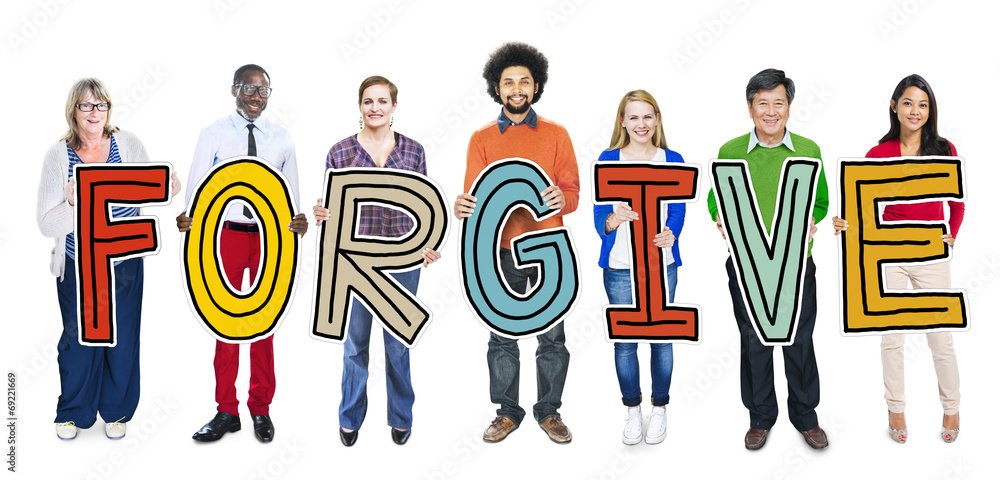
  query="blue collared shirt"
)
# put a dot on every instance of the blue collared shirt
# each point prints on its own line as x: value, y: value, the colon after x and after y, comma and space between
x: 787, y: 140
x: 531, y: 120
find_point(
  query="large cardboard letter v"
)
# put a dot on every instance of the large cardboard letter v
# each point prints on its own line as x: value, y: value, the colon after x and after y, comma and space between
x: 770, y: 264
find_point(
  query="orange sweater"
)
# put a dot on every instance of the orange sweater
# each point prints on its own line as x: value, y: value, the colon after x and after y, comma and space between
x: 548, y: 146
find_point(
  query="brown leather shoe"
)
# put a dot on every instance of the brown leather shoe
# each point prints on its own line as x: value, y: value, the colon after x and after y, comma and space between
x: 755, y: 438
x: 557, y: 430
x: 816, y: 437
x: 499, y: 429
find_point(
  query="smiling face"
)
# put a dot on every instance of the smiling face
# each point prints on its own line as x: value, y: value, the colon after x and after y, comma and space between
x: 90, y: 124
x: 639, y: 120
x: 769, y: 110
x: 912, y: 109
x: 376, y: 106
x: 251, y: 107
x: 516, y: 89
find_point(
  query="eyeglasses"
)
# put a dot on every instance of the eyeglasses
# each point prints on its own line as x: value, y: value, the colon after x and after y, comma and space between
x: 249, y: 90
x: 101, y: 107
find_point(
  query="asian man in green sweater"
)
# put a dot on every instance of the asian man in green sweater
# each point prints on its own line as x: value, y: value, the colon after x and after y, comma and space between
x: 769, y: 98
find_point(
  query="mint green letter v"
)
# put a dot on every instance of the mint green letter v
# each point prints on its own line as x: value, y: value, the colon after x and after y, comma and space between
x: 770, y: 264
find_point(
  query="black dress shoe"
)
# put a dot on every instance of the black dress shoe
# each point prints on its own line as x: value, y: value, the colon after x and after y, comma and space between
x: 348, y: 438
x: 400, y: 436
x: 263, y: 429
x: 217, y: 427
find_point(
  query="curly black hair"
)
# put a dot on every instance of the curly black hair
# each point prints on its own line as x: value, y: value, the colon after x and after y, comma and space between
x: 516, y: 54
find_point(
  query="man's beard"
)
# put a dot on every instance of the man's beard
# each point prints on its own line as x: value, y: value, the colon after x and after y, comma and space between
x: 243, y: 113
x: 518, y: 110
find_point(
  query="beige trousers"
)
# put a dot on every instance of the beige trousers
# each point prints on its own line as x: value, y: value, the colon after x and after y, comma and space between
x: 942, y: 349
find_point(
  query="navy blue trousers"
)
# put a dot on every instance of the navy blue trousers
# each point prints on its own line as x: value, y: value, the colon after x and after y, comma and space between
x: 101, y: 380
x: 757, y: 362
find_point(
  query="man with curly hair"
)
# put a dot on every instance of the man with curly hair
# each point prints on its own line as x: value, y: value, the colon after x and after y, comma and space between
x: 516, y: 74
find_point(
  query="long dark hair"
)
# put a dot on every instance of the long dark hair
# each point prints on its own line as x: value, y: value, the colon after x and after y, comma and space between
x: 930, y: 142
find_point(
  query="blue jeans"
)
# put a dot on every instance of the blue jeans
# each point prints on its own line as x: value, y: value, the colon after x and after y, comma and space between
x: 101, y: 380
x: 503, y: 358
x: 399, y: 389
x: 618, y: 284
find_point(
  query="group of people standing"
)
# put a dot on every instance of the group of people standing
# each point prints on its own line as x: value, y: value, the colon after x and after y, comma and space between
x: 105, y: 380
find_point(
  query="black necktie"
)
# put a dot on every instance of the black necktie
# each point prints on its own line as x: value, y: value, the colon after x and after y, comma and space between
x: 252, y: 151
x: 251, y: 143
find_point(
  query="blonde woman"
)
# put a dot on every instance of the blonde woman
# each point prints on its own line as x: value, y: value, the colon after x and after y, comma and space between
x: 93, y: 380
x: 638, y: 135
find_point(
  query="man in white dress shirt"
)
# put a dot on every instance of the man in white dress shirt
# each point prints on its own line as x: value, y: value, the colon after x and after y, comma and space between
x: 243, y: 133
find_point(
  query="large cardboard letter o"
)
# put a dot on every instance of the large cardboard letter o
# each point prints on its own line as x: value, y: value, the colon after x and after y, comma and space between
x: 233, y: 316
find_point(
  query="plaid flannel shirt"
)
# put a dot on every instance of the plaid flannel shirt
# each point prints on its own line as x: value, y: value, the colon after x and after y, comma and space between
x: 407, y: 154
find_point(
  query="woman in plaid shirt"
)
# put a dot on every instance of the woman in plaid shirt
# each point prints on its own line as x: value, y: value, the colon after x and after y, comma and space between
x: 377, y: 146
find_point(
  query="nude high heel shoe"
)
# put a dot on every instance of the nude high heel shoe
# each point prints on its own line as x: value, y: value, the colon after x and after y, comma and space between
x: 899, y: 436
x: 948, y: 436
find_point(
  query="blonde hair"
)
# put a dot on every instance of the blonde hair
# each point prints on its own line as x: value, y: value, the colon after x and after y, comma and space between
x: 619, y: 138
x: 76, y: 94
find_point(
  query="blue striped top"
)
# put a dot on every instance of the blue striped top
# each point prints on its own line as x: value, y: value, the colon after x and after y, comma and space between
x: 116, y: 212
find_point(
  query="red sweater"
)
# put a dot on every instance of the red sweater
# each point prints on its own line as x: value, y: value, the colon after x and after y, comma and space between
x: 918, y: 211
x: 548, y: 145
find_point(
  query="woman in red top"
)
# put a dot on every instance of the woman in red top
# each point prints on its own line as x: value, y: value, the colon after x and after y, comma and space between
x: 913, y: 132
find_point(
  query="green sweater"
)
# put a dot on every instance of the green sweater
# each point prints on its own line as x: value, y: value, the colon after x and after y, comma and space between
x: 765, y: 172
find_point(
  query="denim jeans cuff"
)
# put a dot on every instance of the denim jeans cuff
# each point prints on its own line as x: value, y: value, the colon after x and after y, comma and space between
x: 632, y: 402
x: 541, y: 419
x: 659, y: 402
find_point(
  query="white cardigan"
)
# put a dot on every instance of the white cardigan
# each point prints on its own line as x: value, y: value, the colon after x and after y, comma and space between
x: 55, y: 215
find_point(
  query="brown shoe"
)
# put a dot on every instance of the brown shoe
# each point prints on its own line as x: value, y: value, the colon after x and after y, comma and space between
x: 499, y: 429
x: 816, y: 437
x: 557, y: 430
x: 755, y: 438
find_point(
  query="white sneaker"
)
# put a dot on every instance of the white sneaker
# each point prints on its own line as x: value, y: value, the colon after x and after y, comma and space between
x: 66, y: 430
x: 633, y: 427
x: 115, y: 430
x: 657, y: 426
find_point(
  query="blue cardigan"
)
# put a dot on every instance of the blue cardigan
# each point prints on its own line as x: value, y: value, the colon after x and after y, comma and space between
x: 675, y: 214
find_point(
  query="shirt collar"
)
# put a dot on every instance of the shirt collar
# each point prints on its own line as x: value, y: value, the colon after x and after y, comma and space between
x: 531, y: 120
x: 786, y: 140
x: 240, y: 123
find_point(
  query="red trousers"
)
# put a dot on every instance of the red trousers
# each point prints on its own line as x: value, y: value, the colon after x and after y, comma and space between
x: 241, y: 251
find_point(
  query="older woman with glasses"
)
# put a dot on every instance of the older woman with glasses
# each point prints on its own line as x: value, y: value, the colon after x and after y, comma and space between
x: 93, y: 380
x: 377, y: 146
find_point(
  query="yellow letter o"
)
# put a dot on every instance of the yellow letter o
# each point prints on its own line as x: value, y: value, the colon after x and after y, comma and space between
x: 231, y: 315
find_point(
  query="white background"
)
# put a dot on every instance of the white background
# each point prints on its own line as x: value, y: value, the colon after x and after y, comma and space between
x: 169, y: 66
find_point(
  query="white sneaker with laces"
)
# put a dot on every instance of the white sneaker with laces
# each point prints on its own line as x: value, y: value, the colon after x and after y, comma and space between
x: 115, y: 430
x: 66, y: 430
x: 657, y: 426
x: 633, y: 427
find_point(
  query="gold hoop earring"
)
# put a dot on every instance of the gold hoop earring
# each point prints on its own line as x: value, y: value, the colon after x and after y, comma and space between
x: 391, y: 120
x: 361, y: 122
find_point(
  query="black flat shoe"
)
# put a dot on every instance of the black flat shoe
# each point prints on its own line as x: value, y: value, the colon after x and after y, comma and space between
x: 348, y: 438
x: 220, y: 425
x: 263, y: 429
x: 400, y: 436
